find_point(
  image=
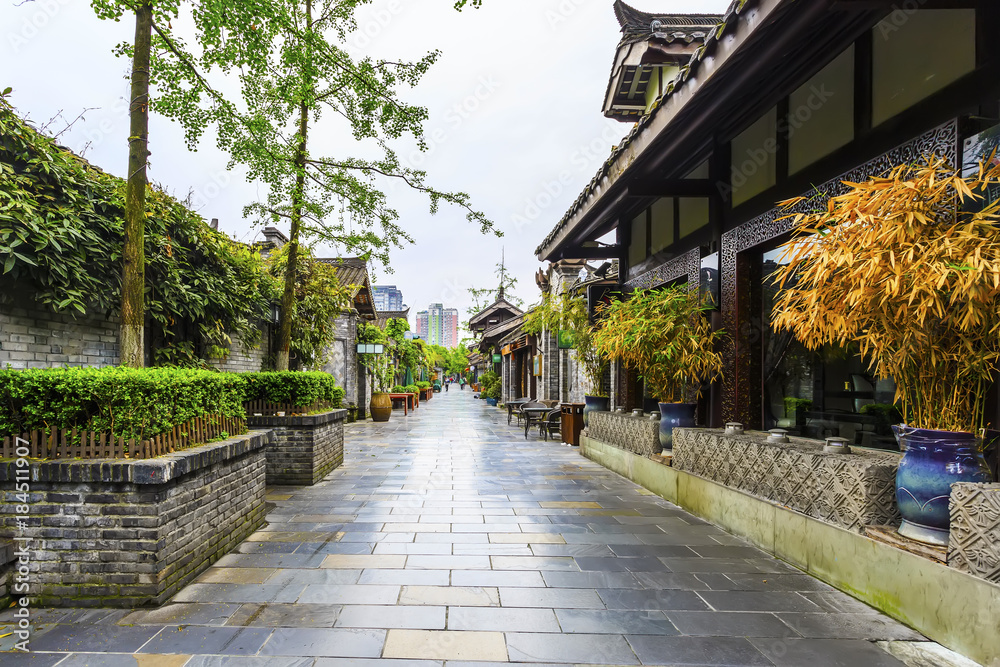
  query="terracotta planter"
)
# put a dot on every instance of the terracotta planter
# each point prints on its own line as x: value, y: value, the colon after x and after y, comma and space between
x: 381, y: 407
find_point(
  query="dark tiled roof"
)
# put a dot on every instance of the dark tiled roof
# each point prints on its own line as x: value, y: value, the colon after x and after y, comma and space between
x: 728, y: 23
x: 385, y: 315
x: 495, y: 306
x: 637, y: 25
x: 354, y: 271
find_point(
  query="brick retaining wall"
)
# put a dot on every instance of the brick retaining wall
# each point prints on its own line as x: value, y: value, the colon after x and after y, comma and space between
x: 132, y: 533
x: 304, y: 449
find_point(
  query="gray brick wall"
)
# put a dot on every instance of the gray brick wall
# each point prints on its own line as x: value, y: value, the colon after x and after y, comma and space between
x: 303, y: 450
x: 132, y: 533
x: 242, y: 360
x: 33, y: 336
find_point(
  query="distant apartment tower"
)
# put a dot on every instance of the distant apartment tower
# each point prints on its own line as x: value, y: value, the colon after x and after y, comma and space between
x: 387, y: 298
x: 438, y: 325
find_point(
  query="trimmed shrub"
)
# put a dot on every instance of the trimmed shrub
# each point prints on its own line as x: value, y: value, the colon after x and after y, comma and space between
x: 298, y: 388
x: 424, y: 385
x: 129, y: 402
x: 411, y: 389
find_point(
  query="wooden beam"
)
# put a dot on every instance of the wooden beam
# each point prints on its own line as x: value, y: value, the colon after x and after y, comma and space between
x: 674, y: 187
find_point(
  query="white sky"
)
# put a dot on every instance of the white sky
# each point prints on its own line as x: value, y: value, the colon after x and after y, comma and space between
x: 515, y: 121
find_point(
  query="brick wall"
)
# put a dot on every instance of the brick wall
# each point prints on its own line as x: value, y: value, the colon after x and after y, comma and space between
x: 32, y: 336
x: 131, y: 533
x: 242, y: 360
x: 303, y: 450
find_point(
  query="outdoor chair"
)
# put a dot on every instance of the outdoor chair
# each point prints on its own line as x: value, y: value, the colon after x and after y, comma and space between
x: 552, y: 424
x: 512, y: 409
x: 534, y: 413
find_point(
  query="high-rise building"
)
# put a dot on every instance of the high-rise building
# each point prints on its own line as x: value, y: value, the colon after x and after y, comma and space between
x: 438, y: 325
x: 387, y: 298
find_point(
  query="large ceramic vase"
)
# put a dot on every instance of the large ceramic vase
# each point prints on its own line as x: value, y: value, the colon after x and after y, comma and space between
x: 674, y: 415
x: 381, y: 407
x: 594, y: 404
x: 932, y: 462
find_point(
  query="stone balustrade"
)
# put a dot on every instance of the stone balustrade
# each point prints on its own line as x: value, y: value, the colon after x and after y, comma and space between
x: 639, y: 435
x: 974, y: 546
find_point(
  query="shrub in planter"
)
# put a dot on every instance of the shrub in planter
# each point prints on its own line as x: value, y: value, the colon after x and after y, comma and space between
x: 297, y: 388
x: 411, y: 389
x: 424, y: 385
x: 134, y: 403
x: 398, y: 389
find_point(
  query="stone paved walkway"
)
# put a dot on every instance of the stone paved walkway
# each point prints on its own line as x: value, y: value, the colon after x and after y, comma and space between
x: 448, y: 538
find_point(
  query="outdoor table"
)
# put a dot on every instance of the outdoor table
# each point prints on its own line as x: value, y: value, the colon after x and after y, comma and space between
x: 409, y: 400
x: 534, y: 416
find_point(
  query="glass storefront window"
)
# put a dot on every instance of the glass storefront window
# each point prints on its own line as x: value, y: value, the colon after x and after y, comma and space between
x: 823, y: 393
x: 639, y: 243
x: 917, y: 53
x: 663, y: 224
x: 754, y: 168
x: 821, y: 113
x: 694, y: 214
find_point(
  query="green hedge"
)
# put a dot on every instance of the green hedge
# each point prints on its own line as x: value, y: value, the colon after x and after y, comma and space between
x: 134, y: 403
x: 424, y: 385
x: 299, y: 389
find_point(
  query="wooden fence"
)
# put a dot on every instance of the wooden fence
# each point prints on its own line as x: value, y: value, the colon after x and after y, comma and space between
x: 80, y: 444
x: 269, y: 408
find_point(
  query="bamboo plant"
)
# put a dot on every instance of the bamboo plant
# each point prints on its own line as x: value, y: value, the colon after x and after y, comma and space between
x: 664, y: 335
x: 568, y: 312
x: 907, y: 268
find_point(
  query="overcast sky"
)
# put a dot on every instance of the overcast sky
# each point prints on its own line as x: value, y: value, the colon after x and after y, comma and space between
x: 515, y: 121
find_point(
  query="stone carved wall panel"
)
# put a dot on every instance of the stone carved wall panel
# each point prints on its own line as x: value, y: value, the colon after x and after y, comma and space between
x: 687, y: 266
x: 639, y: 435
x: 849, y: 491
x: 975, y: 530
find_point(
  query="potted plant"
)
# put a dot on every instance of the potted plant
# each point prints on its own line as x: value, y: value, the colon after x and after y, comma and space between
x: 568, y: 317
x: 663, y: 335
x: 908, y: 268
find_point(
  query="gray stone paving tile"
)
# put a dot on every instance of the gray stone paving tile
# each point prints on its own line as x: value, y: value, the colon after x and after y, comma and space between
x: 195, y: 639
x: 328, y: 548
x: 824, y: 653
x: 409, y: 548
x: 371, y: 616
x: 21, y: 659
x: 700, y: 651
x: 262, y: 593
x: 268, y: 547
x: 454, y: 538
x: 379, y: 662
x: 335, y: 643
x: 728, y: 624
x: 502, y: 619
x: 552, y: 598
x: 718, y: 565
x: 448, y: 563
x: 776, y: 582
x: 535, y: 563
x: 872, y: 627
x: 575, y: 648
x: 615, y: 621
x: 591, y: 580
x: 350, y: 594
x: 246, y: 661
x: 83, y: 638
x: 835, y: 601
x: 649, y: 550
x: 757, y: 601
x: 639, y: 600
x: 591, y: 550
x: 496, y: 578
x: 285, y: 616
x: 271, y: 560
x: 331, y: 576
x: 409, y: 577
x: 193, y: 613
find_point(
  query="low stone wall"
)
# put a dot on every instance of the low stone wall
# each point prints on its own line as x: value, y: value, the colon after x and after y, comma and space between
x: 974, y: 545
x: 132, y: 533
x: 851, y: 491
x: 304, y: 449
x: 639, y: 435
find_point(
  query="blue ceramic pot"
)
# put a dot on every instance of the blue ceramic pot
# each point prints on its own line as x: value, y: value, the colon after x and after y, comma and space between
x: 932, y: 462
x: 595, y: 404
x: 491, y: 401
x: 683, y: 415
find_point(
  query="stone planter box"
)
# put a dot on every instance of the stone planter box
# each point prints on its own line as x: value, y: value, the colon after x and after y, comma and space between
x: 639, y: 435
x: 120, y: 533
x: 304, y: 450
x: 974, y: 546
x: 851, y: 491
